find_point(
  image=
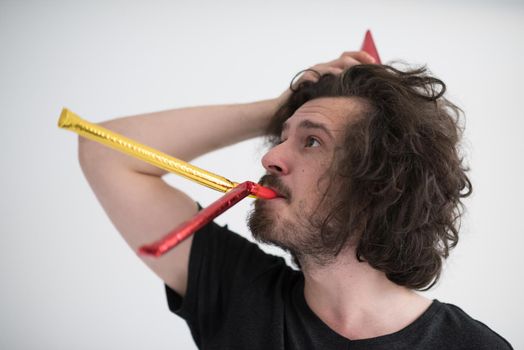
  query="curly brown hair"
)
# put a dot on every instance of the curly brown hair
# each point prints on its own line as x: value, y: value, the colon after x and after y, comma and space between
x: 404, y: 178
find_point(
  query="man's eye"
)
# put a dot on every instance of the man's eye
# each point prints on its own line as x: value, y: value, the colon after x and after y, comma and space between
x: 312, y: 142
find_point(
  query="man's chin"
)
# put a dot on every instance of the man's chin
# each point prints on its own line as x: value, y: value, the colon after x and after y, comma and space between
x: 267, y: 226
x: 265, y: 229
x: 262, y: 221
x: 301, y: 239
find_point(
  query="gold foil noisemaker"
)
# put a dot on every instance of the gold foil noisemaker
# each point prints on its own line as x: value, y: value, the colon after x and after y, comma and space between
x: 70, y: 121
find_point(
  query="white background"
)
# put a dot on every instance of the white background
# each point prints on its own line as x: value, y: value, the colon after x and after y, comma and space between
x: 68, y: 281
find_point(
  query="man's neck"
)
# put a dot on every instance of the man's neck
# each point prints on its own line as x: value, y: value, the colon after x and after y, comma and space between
x: 357, y: 301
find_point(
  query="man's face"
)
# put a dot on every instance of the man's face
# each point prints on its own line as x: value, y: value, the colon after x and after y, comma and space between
x: 298, y: 169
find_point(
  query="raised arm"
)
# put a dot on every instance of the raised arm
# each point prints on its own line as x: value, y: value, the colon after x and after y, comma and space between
x: 135, y: 197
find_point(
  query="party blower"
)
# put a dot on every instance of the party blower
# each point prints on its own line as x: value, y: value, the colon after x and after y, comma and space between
x: 235, y: 192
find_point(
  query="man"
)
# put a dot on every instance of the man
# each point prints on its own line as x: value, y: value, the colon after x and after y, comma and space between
x: 366, y: 164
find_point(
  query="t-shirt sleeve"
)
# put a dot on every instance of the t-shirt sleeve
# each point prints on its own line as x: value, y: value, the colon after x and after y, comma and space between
x: 221, y: 264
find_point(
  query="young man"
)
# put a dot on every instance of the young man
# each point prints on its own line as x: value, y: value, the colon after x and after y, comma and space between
x: 366, y: 164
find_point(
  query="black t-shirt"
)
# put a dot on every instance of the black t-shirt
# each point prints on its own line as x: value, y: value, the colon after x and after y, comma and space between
x: 239, y: 297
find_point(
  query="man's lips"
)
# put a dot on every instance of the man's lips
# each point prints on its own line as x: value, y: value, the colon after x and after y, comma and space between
x: 274, y: 184
x: 279, y: 195
x: 262, y: 192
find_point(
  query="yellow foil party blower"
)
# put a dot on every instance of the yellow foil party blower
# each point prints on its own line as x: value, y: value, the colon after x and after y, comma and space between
x: 70, y: 121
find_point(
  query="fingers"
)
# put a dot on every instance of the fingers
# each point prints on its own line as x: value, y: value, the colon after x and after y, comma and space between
x: 362, y: 56
x: 344, y: 62
x: 347, y: 60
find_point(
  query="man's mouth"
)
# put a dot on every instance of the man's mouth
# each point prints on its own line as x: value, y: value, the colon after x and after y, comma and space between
x: 274, y: 183
x: 279, y: 194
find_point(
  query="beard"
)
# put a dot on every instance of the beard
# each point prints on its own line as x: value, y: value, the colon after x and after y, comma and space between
x: 300, y: 235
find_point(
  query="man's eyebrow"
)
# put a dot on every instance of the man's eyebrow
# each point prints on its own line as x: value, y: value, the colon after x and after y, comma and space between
x: 308, y: 124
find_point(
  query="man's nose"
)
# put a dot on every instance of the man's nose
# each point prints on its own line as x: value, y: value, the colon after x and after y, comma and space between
x: 275, y: 161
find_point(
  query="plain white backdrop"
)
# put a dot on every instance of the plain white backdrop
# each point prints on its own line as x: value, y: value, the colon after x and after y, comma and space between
x: 70, y: 282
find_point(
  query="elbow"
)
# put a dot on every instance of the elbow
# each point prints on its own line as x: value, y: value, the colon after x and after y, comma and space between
x: 89, y: 153
x: 83, y: 153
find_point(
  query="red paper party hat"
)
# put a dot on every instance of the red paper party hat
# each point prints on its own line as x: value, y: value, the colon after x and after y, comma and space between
x: 369, y: 46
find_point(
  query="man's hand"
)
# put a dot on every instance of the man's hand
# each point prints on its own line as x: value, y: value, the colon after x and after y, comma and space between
x: 337, y: 66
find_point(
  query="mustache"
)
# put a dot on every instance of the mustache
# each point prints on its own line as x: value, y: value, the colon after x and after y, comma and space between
x: 275, y: 183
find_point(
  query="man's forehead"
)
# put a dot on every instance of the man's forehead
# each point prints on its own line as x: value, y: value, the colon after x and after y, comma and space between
x: 333, y: 112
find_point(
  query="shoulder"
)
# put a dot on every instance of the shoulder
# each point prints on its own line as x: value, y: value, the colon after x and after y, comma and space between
x: 467, y: 331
